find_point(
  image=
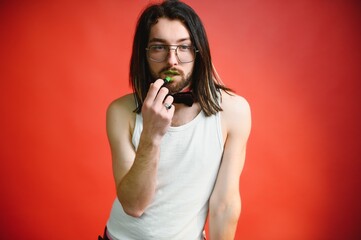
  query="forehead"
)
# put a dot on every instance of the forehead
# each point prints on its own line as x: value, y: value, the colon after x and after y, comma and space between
x: 169, y: 31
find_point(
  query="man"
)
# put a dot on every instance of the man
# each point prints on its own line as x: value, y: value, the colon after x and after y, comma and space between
x: 174, y: 164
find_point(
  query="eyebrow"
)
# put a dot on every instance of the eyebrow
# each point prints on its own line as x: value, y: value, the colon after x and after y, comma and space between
x: 164, y: 41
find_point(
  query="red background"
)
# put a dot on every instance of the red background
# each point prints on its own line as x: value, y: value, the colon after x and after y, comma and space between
x: 297, y: 63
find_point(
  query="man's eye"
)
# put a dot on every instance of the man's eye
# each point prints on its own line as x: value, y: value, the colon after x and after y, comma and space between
x: 184, y: 48
x: 158, y: 47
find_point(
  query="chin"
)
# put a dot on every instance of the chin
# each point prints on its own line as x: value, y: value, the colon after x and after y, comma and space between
x: 172, y: 88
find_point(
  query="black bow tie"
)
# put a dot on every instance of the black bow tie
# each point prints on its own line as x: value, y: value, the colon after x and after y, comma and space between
x: 184, y: 97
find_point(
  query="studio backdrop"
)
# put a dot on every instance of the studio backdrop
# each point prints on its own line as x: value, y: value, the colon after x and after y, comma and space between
x: 296, y: 62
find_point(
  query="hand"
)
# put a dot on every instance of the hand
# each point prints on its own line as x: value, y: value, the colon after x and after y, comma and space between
x: 156, y: 117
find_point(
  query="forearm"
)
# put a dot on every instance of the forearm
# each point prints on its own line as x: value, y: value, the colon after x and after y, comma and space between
x: 223, y: 220
x: 137, y: 188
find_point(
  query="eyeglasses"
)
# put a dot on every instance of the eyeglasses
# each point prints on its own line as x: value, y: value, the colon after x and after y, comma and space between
x: 159, y: 53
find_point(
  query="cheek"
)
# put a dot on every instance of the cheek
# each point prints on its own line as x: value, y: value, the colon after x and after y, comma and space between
x: 154, y: 69
x: 188, y: 71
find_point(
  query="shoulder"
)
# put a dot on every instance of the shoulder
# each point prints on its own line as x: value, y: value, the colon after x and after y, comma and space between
x: 124, y: 103
x: 120, y: 113
x: 236, y: 114
x: 122, y: 107
x: 234, y: 104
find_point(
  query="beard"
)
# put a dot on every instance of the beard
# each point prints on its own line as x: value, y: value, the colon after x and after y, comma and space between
x: 177, y: 85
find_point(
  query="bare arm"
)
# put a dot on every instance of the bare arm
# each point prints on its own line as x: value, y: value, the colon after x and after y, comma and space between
x: 135, y: 171
x: 225, y: 202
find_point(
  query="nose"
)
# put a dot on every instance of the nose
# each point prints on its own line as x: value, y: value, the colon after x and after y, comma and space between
x: 172, y: 58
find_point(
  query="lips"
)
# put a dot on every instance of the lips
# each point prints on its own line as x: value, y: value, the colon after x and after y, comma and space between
x: 171, y: 73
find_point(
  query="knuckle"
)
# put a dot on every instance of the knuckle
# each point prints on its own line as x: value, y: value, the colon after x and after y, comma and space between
x: 164, y: 90
x: 153, y: 87
x: 170, y: 98
x: 146, y: 105
x: 158, y: 83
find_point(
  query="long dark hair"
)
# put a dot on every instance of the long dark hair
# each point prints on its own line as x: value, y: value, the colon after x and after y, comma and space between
x: 205, y: 81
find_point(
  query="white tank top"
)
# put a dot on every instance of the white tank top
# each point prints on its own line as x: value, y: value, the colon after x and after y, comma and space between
x: 190, y: 156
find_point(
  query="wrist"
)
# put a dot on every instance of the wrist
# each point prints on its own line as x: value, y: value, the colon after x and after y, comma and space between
x: 150, y: 141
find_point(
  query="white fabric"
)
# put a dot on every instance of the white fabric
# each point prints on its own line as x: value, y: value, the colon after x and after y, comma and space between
x: 189, y: 161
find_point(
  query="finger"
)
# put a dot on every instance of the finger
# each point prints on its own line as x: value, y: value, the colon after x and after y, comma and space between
x: 169, y: 108
x: 153, y: 89
x: 159, y: 82
x: 161, y: 96
x: 168, y: 102
x: 167, y: 105
x: 169, y: 99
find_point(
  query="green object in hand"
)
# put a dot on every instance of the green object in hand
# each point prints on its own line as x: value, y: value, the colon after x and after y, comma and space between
x: 168, y: 79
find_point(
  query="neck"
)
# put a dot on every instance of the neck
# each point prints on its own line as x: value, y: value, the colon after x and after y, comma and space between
x: 186, y: 89
x: 184, y: 114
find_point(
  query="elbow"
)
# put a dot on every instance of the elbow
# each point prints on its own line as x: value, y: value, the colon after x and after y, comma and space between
x: 133, y: 212
x: 228, y: 210
x: 131, y: 209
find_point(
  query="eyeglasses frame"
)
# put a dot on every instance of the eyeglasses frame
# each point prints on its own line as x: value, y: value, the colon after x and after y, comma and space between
x: 169, y: 49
